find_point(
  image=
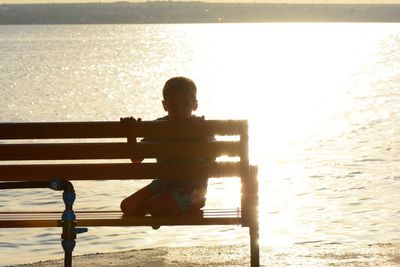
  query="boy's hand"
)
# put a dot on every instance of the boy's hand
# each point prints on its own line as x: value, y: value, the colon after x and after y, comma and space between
x: 199, y: 118
x: 129, y: 120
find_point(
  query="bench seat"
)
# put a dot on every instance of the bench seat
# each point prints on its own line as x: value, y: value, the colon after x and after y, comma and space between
x: 22, y: 219
x: 56, y: 154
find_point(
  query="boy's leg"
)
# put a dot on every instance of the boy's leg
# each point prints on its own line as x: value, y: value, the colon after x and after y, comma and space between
x: 134, y: 204
x: 171, y: 203
x: 163, y: 204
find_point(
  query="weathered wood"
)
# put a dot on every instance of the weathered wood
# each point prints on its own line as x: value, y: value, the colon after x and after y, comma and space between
x: 244, y: 173
x: 114, y: 218
x: 94, y: 151
x: 252, y: 220
x: 113, y: 171
x: 57, y: 151
x: 115, y: 129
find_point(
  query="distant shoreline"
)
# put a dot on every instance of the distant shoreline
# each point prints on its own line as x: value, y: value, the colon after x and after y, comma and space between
x: 193, y: 12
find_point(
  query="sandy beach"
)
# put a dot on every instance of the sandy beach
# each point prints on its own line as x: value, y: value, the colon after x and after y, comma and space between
x: 237, y: 255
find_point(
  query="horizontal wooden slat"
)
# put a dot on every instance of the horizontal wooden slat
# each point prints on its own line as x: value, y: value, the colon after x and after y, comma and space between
x: 148, y: 221
x: 15, y: 223
x: 114, y: 129
x: 109, y: 171
x: 115, y: 218
x: 116, y: 150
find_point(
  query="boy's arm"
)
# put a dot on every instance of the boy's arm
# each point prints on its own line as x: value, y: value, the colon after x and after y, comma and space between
x: 127, y: 121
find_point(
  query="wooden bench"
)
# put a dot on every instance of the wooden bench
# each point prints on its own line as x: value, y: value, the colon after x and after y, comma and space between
x: 44, y: 155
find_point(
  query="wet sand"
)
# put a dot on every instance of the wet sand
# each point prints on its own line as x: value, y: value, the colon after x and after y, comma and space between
x: 238, y: 255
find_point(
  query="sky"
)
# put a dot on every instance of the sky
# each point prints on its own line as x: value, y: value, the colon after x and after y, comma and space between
x: 242, y: 1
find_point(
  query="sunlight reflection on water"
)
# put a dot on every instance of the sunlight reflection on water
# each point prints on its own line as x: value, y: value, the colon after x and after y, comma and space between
x: 321, y: 99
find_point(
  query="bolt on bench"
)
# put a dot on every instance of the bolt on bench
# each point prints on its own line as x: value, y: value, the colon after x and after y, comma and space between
x: 45, y: 154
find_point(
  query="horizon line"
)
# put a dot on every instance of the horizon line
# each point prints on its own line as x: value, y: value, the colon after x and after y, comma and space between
x: 194, y: 1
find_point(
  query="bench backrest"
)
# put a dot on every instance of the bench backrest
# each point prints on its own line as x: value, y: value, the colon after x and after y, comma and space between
x: 32, y: 152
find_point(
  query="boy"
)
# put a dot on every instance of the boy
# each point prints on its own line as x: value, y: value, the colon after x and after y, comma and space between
x: 170, y: 198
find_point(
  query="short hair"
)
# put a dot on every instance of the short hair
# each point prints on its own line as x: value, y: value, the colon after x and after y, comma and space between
x: 179, y: 84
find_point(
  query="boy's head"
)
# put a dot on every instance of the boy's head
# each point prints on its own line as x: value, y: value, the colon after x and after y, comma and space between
x: 179, y: 98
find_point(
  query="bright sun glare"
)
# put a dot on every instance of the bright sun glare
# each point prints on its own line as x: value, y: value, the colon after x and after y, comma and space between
x: 289, y: 104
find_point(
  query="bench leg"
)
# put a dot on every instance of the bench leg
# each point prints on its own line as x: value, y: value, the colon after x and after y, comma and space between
x: 68, y: 235
x: 254, y: 246
x: 68, y: 259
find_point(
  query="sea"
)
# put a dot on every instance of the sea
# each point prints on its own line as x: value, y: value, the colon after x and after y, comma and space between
x: 322, y: 101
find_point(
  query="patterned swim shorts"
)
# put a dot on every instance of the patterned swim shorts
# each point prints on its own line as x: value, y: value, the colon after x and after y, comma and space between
x: 184, y: 198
